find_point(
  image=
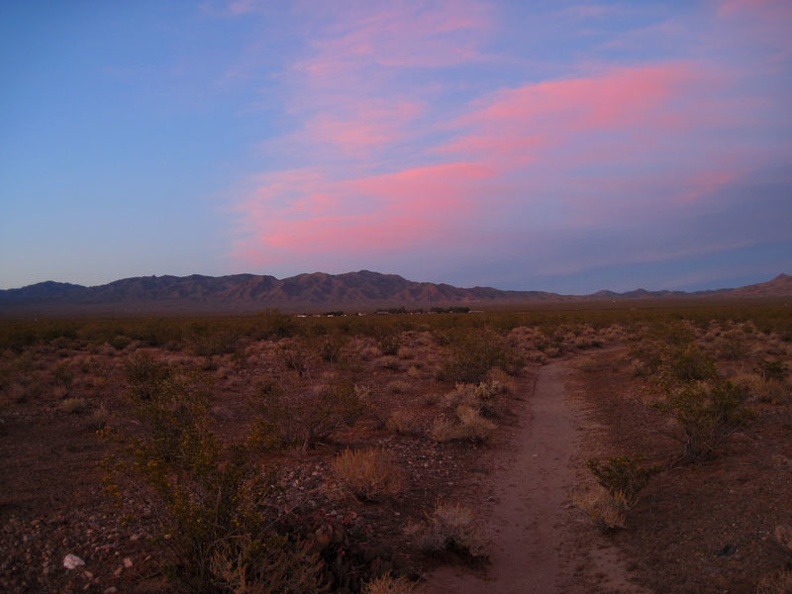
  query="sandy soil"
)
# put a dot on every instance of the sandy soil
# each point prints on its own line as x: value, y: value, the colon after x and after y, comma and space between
x: 530, y: 512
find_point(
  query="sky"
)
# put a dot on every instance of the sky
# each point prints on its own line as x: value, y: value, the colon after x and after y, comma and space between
x: 553, y: 145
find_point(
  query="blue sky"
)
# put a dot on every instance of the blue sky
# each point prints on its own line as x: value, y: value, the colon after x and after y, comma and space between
x: 538, y: 145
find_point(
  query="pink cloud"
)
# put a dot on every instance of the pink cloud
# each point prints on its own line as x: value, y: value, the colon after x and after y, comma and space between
x: 636, y: 142
x: 619, y: 97
x: 359, y: 126
x: 399, y: 35
x: 380, y: 213
x: 767, y: 8
x: 761, y: 23
x: 514, y: 127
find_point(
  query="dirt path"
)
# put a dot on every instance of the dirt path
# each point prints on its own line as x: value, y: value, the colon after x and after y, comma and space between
x: 532, y: 516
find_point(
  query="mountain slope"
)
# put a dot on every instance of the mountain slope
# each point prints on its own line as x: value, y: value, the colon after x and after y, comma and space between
x: 363, y: 290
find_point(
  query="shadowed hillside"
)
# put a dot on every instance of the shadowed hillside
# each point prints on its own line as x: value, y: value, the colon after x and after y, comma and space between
x: 363, y: 290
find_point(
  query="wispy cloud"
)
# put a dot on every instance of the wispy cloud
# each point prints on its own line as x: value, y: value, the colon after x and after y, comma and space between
x: 385, y: 162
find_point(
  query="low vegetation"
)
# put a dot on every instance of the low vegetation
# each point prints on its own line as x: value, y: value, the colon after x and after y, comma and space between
x: 275, y: 453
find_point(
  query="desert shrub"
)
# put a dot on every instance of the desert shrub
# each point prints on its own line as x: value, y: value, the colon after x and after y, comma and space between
x: 145, y: 375
x: 690, y: 364
x: 351, y: 557
x: 467, y: 425
x: 761, y: 389
x: 450, y: 528
x: 98, y: 420
x: 646, y: 357
x: 389, y: 343
x: 119, y: 342
x: 294, y: 355
x: 472, y: 352
x: 297, y: 415
x: 708, y: 413
x: 215, y: 341
x: 73, y: 405
x: 369, y: 474
x: 387, y: 584
x: 331, y: 347
x: 772, y: 370
x: 204, y: 496
x: 481, y: 396
x: 607, y: 510
x: 244, y: 565
x: 732, y: 346
x: 398, y: 387
x: 622, y: 476
x: 402, y: 422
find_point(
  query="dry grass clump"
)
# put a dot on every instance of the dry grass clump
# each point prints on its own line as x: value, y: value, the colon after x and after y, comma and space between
x: 73, y: 405
x: 450, y: 528
x: 469, y: 402
x: 760, y: 389
x: 387, y: 584
x: 243, y: 565
x: 397, y: 387
x: 369, y: 474
x: 481, y: 396
x: 402, y: 422
x: 469, y: 425
x: 606, y: 510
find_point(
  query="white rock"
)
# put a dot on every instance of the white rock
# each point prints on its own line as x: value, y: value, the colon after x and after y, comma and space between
x: 72, y: 561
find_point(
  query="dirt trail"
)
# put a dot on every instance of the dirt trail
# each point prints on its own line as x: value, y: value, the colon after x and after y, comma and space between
x: 532, y: 513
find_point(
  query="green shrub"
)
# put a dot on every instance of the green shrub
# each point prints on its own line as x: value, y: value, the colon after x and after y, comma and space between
x: 292, y: 414
x: 472, y: 352
x: 690, y: 364
x: 207, y: 499
x: 772, y: 370
x: 708, y: 413
x: 625, y: 475
x: 145, y: 375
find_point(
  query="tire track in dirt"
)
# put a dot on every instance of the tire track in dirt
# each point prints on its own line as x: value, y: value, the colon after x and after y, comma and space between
x: 533, y: 512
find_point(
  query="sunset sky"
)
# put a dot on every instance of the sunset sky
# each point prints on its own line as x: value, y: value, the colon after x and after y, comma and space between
x: 537, y: 145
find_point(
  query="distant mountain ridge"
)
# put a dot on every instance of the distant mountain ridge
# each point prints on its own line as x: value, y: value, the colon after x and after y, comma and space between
x: 364, y: 289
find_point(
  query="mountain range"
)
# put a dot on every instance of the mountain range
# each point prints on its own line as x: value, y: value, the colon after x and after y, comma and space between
x: 363, y: 290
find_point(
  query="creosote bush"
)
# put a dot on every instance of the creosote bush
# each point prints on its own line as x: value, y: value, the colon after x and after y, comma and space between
x: 473, y: 352
x: 145, y: 376
x: 708, y: 413
x: 622, y: 476
x: 206, y: 498
x: 293, y: 414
